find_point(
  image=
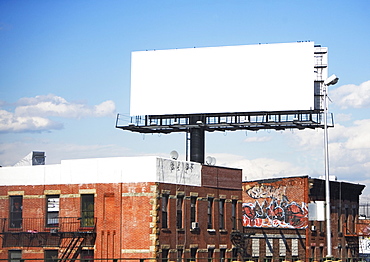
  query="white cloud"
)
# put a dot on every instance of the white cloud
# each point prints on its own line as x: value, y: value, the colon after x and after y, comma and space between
x: 258, y: 139
x: 106, y: 108
x: 359, y: 135
x: 11, y: 153
x: 352, y: 96
x: 343, y: 117
x: 259, y: 168
x: 33, y: 113
x: 10, y: 122
x: 349, y: 148
x: 51, y: 105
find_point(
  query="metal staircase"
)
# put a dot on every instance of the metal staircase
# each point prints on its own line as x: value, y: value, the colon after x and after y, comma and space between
x: 71, y: 248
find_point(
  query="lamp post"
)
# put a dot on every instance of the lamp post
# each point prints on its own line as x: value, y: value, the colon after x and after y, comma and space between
x: 332, y: 80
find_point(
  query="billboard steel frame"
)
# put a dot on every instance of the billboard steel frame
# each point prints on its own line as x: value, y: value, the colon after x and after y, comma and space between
x: 195, y: 125
x: 211, y: 122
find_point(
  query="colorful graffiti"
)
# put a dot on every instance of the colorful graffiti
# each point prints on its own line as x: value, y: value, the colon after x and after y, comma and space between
x: 275, y: 210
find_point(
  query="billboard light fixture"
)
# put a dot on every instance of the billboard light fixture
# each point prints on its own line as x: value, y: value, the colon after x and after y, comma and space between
x: 332, y: 80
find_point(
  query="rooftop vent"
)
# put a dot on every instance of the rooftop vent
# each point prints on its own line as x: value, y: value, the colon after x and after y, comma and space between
x: 35, y: 158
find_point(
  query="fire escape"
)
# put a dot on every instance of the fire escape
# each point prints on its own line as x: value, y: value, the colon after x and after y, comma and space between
x: 67, y: 234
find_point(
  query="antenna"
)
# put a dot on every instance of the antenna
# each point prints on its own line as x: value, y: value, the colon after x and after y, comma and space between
x: 174, y: 155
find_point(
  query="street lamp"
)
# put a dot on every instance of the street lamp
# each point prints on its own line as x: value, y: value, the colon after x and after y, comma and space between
x: 332, y: 80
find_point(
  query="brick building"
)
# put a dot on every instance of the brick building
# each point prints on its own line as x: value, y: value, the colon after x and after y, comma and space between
x: 138, y: 207
x: 278, y: 226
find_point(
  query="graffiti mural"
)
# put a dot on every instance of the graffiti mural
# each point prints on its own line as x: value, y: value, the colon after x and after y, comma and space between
x: 272, y: 208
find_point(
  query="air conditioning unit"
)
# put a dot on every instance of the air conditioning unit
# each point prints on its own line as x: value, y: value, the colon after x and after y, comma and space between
x: 194, y: 225
x: 53, y: 231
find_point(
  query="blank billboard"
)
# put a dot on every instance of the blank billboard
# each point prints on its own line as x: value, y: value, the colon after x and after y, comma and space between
x: 246, y: 78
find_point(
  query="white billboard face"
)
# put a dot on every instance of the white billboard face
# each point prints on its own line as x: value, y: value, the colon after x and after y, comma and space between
x: 269, y: 77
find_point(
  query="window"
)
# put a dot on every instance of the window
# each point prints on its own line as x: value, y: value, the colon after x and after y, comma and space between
x: 193, y: 254
x: 15, y: 255
x: 52, y: 211
x: 50, y: 255
x: 209, y: 212
x: 180, y: 253
x: 282, y: 247
x: 222, y: 213
x: 193, y: 206
x: 87, y: 210
x: 312, y: 258
x: 321, y: 250
x: 179, y: 208
x: 234, y: 253
x: 233, y: 213
x: 321, y: 226
x: 269, y: 247
x: 210, y: 254
x: 340, y: 222
x: 87, y: 256
x: 353, y: 222
x: 164, y: 211
x: 255, y: 247
x: 16, y: 207
x: 164, y: 255
x: 222, y: 254
x: 295, y: 247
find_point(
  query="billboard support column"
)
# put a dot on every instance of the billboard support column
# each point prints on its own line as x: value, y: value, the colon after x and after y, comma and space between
x: 197, y: 140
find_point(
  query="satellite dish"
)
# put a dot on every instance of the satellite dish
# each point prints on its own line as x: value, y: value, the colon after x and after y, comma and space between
x: 210, y: 161
x: 174, y: 155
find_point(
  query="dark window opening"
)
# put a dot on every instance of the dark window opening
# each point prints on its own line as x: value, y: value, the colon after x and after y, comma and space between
x: 87, y: 256
x: 233, y: 214
x: 179, y: 208
x: 209, y: 213
x: 222, y: 213
x: 164, y: 255
x: 87, y: 210
x: 193, y: 254
x: 210, y: 254
x: 16, y: 211
x: 180, y: 253
x: 165, y: 211
x: 50, y: 255
x: 222, y: 254
x: 193, y: 206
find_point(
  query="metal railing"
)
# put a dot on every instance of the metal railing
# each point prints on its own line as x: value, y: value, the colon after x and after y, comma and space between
x: 36, y: 225
x: 279, y: 120
x: 259, y: 259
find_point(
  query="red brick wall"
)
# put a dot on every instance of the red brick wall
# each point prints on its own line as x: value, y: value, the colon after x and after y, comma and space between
x: 203, y: 239
x: 122, y: 222
x: 129, y: 215
x: 221, y: 177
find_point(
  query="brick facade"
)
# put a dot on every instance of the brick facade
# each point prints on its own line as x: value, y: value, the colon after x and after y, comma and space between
x: 165, y: 209
x: 275, y: 216
x: 129, y: 217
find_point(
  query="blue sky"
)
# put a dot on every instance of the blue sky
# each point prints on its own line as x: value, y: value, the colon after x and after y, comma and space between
x: 65, y: 74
